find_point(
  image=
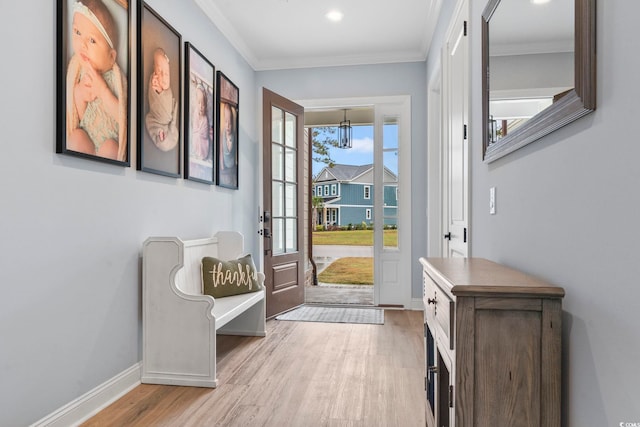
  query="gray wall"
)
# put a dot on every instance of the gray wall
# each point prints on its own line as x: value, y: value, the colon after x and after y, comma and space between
x: 558, y: 201
x: 72, y: 229
x: 534, y: 71
x: 369, y: 81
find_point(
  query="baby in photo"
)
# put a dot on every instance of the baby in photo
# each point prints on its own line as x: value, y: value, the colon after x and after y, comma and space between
x: 162, y: 119
x: 96, y: 87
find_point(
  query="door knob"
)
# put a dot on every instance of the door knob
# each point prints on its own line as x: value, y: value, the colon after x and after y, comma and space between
x: 448, y: 236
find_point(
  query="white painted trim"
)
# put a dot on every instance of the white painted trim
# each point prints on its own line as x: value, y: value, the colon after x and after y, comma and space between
x: 86, y: 406
x: 228, y: 30
x: 350, y: 102
x: 435, y: 202
x: 403, y: 104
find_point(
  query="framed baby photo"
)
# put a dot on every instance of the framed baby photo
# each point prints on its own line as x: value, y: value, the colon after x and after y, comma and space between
x: 159, y: 94
x: 199, y: 106
x: 93, y: 73
x: 227, y: 134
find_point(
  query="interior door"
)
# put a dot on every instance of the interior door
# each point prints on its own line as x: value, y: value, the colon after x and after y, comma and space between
x: 283, y: 219
x: 456, y: 58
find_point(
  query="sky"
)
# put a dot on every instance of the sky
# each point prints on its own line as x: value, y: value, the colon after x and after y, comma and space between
x: 361, y: 153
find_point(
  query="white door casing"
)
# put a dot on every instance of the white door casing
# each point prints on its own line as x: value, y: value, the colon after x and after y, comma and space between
x: 435, y: 201
x: 392, y: 267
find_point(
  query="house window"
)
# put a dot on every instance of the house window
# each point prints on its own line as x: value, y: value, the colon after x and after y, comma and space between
x: 368, y: 214
x: 367, y: 192
x: 334, y: 190
x: 326, y: 190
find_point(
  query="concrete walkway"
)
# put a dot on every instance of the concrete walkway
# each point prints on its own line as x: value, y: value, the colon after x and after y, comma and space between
x: 342, y: 251
x: 328, y: 293
x: 339, y: 294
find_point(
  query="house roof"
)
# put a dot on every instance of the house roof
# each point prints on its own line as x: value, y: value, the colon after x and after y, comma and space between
x: 342, y: 172
x: 345, y: 173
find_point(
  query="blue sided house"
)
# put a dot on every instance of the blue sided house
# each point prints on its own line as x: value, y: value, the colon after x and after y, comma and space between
x: 347, y: 193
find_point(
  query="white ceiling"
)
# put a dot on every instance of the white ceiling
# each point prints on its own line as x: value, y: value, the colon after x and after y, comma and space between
x: 518, y: 27
x: 280, y: 34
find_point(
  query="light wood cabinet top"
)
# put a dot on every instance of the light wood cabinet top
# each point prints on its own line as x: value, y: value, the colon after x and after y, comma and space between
x: 481, y: 277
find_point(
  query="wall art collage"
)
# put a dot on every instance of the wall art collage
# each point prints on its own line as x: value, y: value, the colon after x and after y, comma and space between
x: 187, y: 112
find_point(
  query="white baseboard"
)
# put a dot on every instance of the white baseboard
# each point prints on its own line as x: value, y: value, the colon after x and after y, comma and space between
x: 84, y: 407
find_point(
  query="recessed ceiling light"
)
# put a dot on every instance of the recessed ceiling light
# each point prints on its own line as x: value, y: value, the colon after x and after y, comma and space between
x: 540, y: 1
x: 334, y: 15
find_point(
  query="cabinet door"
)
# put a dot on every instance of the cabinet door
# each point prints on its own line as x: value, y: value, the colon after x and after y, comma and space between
x: 505, y: 379
x: 430, y: 352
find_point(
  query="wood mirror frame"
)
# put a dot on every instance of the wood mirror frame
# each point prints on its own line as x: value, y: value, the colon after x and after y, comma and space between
x: 578, y: 102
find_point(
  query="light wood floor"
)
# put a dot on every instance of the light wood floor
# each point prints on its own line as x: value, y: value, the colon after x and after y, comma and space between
x: 302, y: 374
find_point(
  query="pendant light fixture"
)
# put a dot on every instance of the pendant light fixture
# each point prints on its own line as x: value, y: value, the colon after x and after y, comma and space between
x: 345, y: 133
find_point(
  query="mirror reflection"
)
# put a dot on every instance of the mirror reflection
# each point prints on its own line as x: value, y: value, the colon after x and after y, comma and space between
x: 531, y: 60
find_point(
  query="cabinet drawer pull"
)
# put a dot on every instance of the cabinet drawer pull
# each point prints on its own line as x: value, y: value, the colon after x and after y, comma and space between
x: 431, y: 301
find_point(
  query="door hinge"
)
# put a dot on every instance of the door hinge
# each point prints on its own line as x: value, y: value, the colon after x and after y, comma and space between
x: 450, y: 396
x: 465, y: 28
x: 464, y: 132
x: 465, y: 235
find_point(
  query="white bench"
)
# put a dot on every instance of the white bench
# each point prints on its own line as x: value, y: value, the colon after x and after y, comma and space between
x: 179, y: 323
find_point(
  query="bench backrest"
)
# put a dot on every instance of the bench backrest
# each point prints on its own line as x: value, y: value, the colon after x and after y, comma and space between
x: 225, y: 245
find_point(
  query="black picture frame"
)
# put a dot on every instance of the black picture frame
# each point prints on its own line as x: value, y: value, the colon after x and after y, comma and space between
x: 227, y: 121
x: 85, y: 127
x: 159, y: 108
x: 199, y: 102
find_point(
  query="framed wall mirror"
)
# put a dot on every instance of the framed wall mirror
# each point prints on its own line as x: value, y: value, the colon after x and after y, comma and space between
x: 539, y: 69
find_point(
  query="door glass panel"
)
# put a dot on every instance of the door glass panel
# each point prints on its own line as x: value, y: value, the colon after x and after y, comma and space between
x: 390, y: 181
x: 292, y: 237
x: 290, y: 165
x: 276, y: 125
x: 277, y: 237
x: 390, y: 160
x: 390, y: 132
x: 290, y: 201
x: 277, y: 199
x: 290, y: 130
x: 277, y: 166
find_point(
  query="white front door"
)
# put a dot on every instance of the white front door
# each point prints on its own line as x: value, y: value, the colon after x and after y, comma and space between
x: 456, y: 137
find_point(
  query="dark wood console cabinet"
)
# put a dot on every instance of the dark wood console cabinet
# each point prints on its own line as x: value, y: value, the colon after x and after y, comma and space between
x: 493, y: 345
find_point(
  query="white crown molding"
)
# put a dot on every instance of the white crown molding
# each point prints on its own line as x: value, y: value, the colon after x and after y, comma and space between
x: 228, y: 30
x: 333, y: 61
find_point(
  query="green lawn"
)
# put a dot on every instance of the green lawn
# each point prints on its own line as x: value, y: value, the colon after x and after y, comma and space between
x: 355, y: 271
x: 353, y: 237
